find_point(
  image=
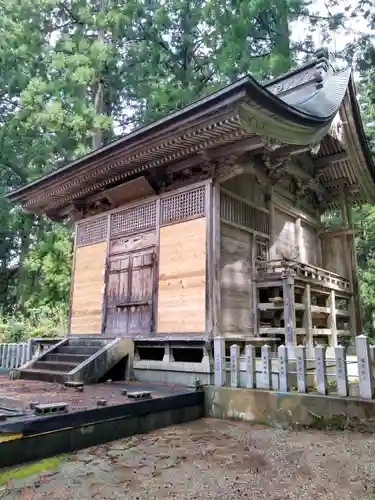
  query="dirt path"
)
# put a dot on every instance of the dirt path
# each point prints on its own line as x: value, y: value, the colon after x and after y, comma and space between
x: 211, y: 459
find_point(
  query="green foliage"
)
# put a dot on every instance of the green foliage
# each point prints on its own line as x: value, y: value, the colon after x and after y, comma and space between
x: 42, y: 322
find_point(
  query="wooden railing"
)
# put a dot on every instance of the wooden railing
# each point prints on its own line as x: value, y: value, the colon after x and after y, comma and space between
x: 288, y: 267
x: 291, y: 369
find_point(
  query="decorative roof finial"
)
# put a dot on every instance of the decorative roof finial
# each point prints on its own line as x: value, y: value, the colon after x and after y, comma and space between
x: 323, y: 53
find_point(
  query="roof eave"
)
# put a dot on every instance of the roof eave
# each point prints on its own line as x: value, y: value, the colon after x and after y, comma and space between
x: 231, y: 93
x: 360, y: 130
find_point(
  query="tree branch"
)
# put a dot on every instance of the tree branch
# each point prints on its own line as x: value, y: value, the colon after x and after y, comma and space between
x: 71, y: 14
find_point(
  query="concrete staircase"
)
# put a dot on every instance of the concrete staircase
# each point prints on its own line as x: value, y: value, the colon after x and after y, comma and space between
x: 78, y: 359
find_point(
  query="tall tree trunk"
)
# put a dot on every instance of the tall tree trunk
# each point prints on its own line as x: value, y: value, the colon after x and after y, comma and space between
x: 97, y: 139
x: 25, y: 237
x: 282, y: 41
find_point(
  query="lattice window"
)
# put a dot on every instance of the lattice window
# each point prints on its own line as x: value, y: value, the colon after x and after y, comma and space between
x: 261, y: 249
x: 183, y: 206
x: 245, y: 215
x: 134, y: 219
x: 92, y: 231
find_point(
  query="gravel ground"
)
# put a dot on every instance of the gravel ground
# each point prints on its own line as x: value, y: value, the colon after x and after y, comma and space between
x: 211, y: 459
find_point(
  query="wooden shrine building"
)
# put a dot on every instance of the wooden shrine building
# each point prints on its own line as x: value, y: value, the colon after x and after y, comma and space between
x: 210, y: 222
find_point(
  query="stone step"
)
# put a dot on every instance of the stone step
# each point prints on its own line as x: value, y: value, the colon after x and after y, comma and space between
x: 89, y: 342
x: 66, y: 358
x: 43, y: 375
x: 58, y: 366
x: 77, y: 349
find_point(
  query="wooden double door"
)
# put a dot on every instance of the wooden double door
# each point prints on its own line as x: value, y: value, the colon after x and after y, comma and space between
x: 129, y: 308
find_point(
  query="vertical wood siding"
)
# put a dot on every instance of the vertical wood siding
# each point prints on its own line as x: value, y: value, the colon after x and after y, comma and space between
x: 182, y: 278
x: 236, y: 280
x: 310, y: 246
x: 88, y: 286
x: 334, y: 255
x: 284, y: 238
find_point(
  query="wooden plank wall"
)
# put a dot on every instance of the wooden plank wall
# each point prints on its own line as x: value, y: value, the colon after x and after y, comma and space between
x: 334, y: 255
x: 236, y: 280
x: 293, y: 237
x: 311, y: 251
x: 88, y: 287
x: 246, y: 187
x: 283, y: 236
x: 182, y: 278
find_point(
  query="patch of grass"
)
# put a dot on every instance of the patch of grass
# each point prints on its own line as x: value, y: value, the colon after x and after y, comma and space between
x: 48, y: 464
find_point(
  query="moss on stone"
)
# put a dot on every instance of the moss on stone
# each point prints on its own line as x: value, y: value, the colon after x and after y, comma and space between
x: 23, y: 471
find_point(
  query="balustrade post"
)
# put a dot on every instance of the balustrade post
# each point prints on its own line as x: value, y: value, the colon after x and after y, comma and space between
x: 266, y: 367
x: 219, y: 354
x: 283, y: 369
x: 366, y: 383
x: 301, y: 368
x: 341, y: 371
x: 250, y: 366
x: 234, y: 365
x: 320, y: 369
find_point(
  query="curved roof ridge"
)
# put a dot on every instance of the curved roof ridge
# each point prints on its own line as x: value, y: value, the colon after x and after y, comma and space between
x: 325, y: 101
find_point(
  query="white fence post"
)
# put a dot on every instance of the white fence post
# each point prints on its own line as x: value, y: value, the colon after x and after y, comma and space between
x: 266, y: 367
x: 366, y: 383
x: 29, y: 349
x: 219, y: 353
x: 18, y: 355
x: 250, y: 367
x: 8, y: 356
x: 341, y: 371
x: 301, y: 368
x: 234, y: 365
x: 24, y: 354
x: 320, y: 369
x: 14, y: 356
x: 283, y: 368
x: 4, y: 356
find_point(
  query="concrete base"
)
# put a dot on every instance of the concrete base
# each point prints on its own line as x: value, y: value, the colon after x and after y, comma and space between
x: 39, y: 438
x: 174, y: 372
x: 101, y: 362
x: 285, y: 410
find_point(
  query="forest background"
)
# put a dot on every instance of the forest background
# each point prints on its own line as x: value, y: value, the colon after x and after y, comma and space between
x: 77, y: 73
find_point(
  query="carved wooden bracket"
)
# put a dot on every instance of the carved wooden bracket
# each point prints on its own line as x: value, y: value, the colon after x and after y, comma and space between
x: 275, y: 167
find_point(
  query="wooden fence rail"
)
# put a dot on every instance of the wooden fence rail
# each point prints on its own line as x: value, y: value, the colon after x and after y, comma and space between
x: 291, y: 370
x: 15, y: 355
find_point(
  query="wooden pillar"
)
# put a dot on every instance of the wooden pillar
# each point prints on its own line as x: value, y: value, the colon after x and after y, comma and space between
x: 255, y: 291
x: 215, y: 235
x: 271, y: 208
x: 289, y: 313
x: 307, y: 319
x: 343, y: 206
x: 106, y: 275
x: 332, y: 319
x: 356, y: 306
x: 299, y: 242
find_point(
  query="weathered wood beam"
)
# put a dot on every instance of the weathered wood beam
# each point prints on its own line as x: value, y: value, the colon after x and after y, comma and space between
x: 239, y: 147
x: 193, y: 161
x: 322, y: 164
x: 290, y: 150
